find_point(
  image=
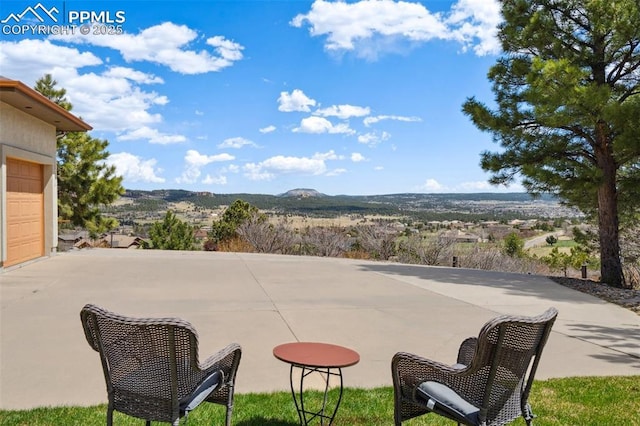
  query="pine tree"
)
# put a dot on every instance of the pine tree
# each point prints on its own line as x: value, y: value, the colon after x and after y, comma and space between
x: 172, y: 234
x: 567, y: 110
x: 85, y: 181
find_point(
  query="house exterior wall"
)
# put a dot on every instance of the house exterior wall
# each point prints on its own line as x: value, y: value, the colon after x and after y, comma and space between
x: 27, y: 138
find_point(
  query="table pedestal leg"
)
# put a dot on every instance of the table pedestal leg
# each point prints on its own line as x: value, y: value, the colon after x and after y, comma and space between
x: 298, y: 398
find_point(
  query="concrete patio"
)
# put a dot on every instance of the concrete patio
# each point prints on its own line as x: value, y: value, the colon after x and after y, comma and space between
x: 260, y: 301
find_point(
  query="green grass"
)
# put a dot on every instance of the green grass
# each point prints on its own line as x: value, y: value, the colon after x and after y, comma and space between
x: 564, y: 246
x: 580, y: 401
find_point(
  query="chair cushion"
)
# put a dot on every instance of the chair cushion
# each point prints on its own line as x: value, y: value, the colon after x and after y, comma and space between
x: 442, y: 399
x: 201, y: 392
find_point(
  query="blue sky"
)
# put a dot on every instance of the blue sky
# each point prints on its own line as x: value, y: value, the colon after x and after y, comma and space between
x: 359, y: 97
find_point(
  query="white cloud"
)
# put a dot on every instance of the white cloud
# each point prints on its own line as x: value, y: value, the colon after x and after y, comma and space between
x: 237, y: 142
x: 474, y: 23
x: 431, y: 185
x: 280, y: 164
x: 256, y: 171
x: 194, y: 158
x: 166, y: 44
x: 133, y: 75
x: 474, y: 186
x: 295, y: 101
x: 356, y: 157
x: 371, y: 27
x: 322, y: 125
x: 329, y: 155
x: 359, y: 26
x: 194, y: 161
x: 268, y: 129
x: 152, y: 136
x: 109, y: 100
x: 231, y: 168
x: 314, y: 166
x: 373, y: 138
x: 227, y: 49
x: 110, y: 103
x: 336, y: 172
x: 28, y: 60
x: 484, y: 186
x: 215, y: 180
x: 343, y: 111
x: 134, y: 168
x: 368, y: 121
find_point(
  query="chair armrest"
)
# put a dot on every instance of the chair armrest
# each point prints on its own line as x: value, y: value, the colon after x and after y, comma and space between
x: 467, y: 351
x: 409, y: 370
x: 225, y: 360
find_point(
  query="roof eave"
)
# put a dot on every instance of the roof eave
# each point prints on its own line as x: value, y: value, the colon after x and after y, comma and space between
x: 29, y: 101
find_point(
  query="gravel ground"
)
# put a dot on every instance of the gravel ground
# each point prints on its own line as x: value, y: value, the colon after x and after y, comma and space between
x: 627, y: 298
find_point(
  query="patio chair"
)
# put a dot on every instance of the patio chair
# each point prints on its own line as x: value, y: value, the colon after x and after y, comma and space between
x: 151, y: 366
x: 489, y: 384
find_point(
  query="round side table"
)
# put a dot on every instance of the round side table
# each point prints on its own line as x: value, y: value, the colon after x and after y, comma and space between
x: 324, y: 358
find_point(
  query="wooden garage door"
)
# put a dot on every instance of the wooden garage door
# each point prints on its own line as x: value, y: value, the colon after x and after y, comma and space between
x: 25, y: 211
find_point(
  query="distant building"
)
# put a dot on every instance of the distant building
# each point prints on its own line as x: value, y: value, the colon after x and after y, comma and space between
x: 71, y: 240
x: 201, y: 234
x: 463, y: 237
x: 119, y: 241
x: 488, y: 223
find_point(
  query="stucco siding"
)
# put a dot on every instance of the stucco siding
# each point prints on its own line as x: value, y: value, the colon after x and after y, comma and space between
x: 22, y: 130
x: 27, y: 138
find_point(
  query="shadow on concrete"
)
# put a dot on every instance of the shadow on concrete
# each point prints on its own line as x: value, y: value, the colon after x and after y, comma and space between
x: 623, y: 339
x: 621, y: 358
x: 512, y: 283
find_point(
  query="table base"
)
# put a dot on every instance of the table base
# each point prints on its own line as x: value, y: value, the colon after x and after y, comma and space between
x: 304, y: 414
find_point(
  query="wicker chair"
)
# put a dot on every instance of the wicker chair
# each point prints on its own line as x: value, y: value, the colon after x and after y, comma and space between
x: 151, y: 366
x: 489, y: 384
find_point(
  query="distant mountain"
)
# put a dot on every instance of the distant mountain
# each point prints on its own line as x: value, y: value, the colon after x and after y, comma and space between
x: 302, y: 193
x: 309, y: 202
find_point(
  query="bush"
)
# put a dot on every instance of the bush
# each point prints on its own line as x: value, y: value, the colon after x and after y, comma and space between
x: 513, y: 245
x: 172, y: 234
x: 426, y: 251
x: 491, y: 257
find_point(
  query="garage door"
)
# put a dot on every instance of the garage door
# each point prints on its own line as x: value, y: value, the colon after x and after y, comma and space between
x: 25, y: 211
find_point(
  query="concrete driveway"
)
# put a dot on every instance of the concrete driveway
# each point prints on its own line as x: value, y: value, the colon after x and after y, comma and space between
x: 260, y: 301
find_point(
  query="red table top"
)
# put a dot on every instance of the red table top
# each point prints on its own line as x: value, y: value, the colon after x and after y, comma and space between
x: 314, y: 354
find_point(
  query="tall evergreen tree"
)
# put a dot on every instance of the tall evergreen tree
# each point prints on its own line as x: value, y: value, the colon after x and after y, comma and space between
x: 567, y: 109
x: 85, y: 181
x: 47, y: 86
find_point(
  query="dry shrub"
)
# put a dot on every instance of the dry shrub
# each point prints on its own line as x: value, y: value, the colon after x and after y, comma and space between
x: 492, y: 258
x: 378, y: 239
x: 265, y: 237
x: 630, y: 247
x: 235, y: 244
x: 436, y: 250
x: 632, y: 276
x: 330, y: 241
x: 357, y: 254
